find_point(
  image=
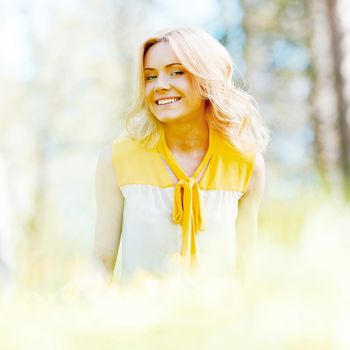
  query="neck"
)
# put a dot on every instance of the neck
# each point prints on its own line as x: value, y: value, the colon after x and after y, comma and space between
x: 187, y: 136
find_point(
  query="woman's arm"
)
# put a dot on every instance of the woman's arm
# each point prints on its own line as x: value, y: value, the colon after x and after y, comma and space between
x: 247, y: 220
x: 109, y: 201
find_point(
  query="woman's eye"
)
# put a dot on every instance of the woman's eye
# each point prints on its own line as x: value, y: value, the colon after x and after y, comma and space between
x: 177, y: 72
x: 151, y: 77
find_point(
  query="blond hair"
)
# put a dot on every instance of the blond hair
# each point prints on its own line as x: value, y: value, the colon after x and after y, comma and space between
x: 234, y: 113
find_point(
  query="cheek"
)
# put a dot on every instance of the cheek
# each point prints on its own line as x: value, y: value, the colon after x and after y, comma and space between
x: 148, y: 97
x: 147, y: 93
x: 195, y: 100
x: 148, y: 87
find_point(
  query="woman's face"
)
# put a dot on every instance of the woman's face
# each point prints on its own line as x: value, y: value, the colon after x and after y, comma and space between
x: 169, y: 89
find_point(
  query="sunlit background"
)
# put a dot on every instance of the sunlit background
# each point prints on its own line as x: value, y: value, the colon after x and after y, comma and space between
x: 66, y: 79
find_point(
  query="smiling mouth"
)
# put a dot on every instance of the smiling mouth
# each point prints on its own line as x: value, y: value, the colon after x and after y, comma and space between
x: 168, y: 101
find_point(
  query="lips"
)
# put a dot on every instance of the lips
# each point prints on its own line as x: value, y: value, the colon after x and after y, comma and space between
x: 167, y: 101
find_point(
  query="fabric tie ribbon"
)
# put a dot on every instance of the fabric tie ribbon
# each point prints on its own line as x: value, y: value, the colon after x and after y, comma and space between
x: 188, y: 207
x: 187, y: 212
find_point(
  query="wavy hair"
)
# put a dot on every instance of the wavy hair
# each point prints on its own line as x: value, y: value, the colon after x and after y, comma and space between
x: 233, y: 112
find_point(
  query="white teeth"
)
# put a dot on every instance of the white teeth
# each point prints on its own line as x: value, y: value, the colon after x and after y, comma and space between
x: 167, y: 101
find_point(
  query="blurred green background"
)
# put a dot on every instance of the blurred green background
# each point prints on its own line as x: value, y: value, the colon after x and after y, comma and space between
x: 67, y: 71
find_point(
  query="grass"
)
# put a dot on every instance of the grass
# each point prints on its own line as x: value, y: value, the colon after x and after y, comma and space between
x: 297, y: 297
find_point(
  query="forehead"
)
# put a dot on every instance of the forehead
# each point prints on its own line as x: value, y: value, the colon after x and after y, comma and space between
x: 159, y: 55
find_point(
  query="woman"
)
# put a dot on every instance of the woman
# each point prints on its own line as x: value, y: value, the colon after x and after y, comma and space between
x: 190, y: 173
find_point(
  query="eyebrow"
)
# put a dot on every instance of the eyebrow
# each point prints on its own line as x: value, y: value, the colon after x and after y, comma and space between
x: 167, y: 66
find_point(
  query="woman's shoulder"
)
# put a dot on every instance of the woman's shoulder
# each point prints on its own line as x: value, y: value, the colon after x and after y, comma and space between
x: 231, y: 153
x: 135, y: 162
x: 125, y: 143
x: 231, y: 167
x: 127, y: 146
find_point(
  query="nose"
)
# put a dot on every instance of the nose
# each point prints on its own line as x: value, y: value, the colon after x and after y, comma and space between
x: 161, y: 84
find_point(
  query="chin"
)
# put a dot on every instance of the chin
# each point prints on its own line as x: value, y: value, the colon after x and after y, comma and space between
x: 167, y: 118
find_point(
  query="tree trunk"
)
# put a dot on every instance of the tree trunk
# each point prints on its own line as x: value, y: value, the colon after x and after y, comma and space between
x: 339, y: 84
x: 323, y: 100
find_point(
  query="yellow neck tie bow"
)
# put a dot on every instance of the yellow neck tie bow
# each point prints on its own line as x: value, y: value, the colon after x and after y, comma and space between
x: 188, y: 212
x: 188, y: 206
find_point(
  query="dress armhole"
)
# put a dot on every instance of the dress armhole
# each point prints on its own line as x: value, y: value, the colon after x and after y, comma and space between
x: 249, y: 171
x: 115, y: 161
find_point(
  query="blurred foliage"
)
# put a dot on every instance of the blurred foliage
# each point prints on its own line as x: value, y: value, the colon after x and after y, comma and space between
x: 295, y: 297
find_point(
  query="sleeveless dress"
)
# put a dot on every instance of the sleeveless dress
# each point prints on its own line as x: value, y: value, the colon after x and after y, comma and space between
x: 190, y: 223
